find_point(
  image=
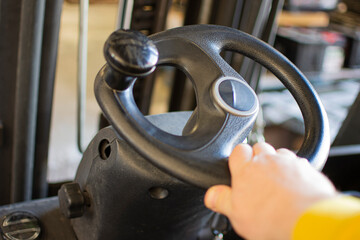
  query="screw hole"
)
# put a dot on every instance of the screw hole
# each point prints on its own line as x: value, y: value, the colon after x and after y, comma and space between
x: 158, y: 192
x: 104, y: 149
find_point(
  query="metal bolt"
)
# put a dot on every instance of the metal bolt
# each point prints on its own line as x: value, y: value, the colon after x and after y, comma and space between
x: 20, y: 226
x: 72, y: 200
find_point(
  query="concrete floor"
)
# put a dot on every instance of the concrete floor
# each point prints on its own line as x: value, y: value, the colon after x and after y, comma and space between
x: 63, y: 153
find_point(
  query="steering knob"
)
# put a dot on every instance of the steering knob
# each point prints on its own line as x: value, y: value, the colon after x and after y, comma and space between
x: 129, y: 54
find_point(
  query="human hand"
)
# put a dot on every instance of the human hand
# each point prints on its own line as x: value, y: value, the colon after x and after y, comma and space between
x: 270, y: 190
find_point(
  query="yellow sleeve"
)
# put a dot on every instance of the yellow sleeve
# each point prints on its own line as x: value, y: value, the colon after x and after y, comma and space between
x: 334, y: 219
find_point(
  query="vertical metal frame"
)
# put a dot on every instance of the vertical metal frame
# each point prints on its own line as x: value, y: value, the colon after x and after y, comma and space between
x: 22, y: 25
x: 27, y: 65
x: 26, y: 92
x: 52, y: 19
x: 9, y: 24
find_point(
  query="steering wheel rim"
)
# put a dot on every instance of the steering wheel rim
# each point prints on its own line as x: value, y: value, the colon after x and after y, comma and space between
x: 183, y: 161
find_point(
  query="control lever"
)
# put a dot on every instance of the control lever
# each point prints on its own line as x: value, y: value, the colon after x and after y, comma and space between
x: 129, y: 54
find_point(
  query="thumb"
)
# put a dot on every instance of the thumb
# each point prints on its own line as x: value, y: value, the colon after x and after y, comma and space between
x: 218, y: 199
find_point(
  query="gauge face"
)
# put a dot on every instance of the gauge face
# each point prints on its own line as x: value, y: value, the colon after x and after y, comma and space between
x: 20, y: 226
x: 235, y: 97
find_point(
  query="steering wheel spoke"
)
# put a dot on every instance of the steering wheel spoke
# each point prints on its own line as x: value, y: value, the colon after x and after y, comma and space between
x: 202, y: 72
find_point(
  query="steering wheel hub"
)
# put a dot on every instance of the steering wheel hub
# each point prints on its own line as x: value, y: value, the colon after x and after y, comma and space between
x: 235, y: 97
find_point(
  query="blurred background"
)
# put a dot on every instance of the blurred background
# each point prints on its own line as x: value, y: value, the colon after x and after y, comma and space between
x: 321, y: 37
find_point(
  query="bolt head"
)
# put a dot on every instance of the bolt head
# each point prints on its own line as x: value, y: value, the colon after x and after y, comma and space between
x: 71, y: 199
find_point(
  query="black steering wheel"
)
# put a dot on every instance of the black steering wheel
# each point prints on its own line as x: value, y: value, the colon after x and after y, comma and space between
x: 226, y: 105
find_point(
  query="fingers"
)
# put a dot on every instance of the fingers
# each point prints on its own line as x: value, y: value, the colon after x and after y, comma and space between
x: 218, y: 199
x: 286, y: 152
x: 239, y: 157
x: 263, y: 148
x: 289, y: 155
